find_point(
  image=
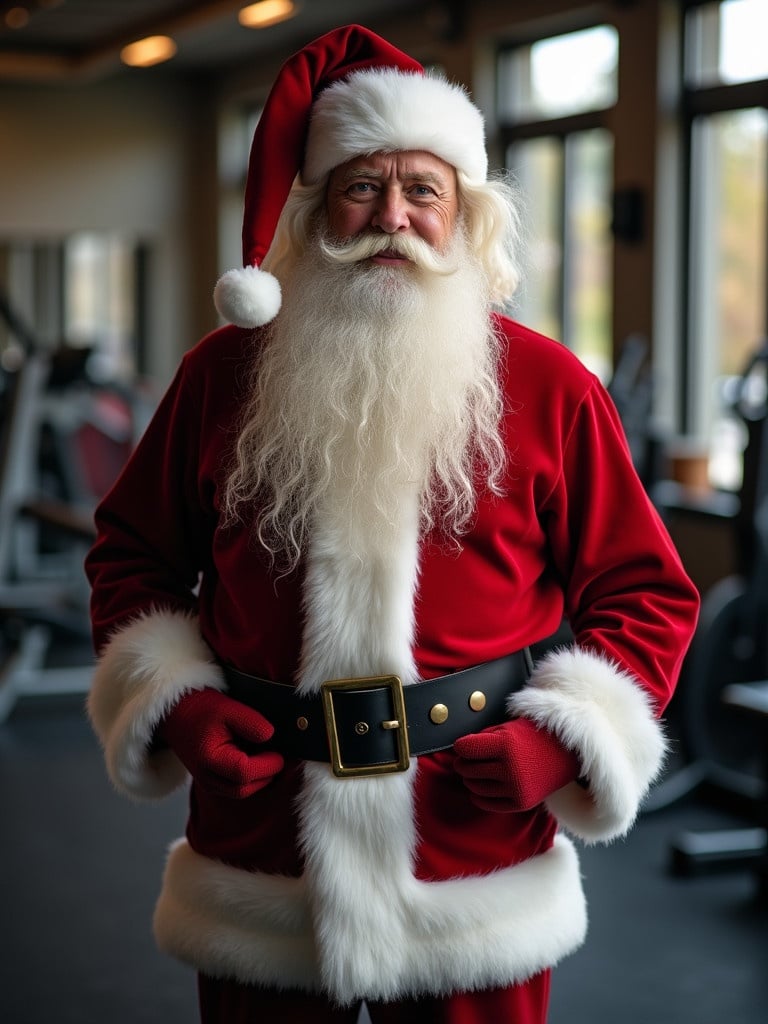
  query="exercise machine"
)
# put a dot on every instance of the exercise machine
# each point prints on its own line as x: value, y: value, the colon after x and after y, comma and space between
x: 63, y: 439
x: 722, y: 703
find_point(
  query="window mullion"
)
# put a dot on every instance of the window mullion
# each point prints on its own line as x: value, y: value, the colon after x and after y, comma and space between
x: 567, y: 265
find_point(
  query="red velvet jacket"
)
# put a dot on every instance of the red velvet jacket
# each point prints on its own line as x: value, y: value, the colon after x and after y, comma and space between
x: 575, y: 535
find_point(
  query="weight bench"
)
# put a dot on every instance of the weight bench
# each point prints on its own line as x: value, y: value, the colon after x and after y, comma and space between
x: 693, y: 852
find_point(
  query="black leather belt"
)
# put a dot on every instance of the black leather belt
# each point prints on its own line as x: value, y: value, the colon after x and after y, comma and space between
x: 373, y: 725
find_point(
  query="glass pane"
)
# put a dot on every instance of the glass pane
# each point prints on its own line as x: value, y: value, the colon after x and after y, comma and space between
x: 588, y: 262
x: 728, y: 256
x: 538, y: 167
x: 567, y: 284
x: 726, y: 42
x: 561, y: 75
x: 100, y: 290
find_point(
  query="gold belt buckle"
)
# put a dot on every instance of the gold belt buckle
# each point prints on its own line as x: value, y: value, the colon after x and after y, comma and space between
x: 397, y: 725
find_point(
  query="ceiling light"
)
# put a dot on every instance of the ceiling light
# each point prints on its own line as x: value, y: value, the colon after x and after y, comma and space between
x: 17, y: 17
x: 267, y: 12
x: 146, y: 52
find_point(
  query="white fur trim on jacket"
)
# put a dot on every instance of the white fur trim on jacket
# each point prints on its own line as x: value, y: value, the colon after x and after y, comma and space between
x: 605, y: 716
x: 465, y: 933
x: 145, y: 668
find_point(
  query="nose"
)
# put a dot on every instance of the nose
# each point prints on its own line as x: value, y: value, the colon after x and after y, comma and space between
x: 391, y: 213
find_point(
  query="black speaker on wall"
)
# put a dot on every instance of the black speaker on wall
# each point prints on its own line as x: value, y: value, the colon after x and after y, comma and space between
x: 628, y: 220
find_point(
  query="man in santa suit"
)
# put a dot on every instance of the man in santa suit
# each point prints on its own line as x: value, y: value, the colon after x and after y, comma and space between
x: 316, y: 581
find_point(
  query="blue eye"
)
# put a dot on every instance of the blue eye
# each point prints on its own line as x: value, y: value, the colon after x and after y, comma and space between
x: 419, y: 193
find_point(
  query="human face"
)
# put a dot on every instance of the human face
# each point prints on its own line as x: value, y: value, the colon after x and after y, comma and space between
x: 412, y: 193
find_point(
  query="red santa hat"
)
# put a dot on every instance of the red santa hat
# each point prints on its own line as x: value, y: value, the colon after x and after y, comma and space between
x: 347, y: 94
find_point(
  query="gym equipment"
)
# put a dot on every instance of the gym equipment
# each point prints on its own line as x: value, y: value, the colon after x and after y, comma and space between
x: 691, y: 851
x: 631, y: 389
x: 62, y: 442
x: 722, y: 705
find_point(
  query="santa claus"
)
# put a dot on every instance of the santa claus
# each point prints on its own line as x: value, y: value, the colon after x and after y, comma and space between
x: 316, y: 583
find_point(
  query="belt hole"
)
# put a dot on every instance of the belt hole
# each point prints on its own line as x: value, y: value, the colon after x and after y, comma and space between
x: 302, y: 723
x: 361, y: 728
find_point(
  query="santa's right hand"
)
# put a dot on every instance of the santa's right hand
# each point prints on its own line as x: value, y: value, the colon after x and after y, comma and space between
x: 214, y: 737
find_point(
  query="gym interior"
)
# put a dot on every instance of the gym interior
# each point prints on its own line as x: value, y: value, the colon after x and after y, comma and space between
x: 638, y: 133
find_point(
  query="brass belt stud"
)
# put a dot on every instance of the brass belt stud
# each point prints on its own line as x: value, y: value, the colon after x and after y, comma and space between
x: 302, y: 723
x: 438, y: 713
x: 361, y: 728
x: 477, y: 700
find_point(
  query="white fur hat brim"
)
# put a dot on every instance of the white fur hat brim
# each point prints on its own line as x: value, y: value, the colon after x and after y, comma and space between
x: 383, y: 110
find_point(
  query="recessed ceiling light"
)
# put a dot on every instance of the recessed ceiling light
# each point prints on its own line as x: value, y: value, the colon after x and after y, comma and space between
x: 267, y: 12
x: 17, y: 17
x: 148, y: 51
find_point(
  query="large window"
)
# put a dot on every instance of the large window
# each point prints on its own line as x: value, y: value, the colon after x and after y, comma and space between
x: 101, y: 293
x: 83, y: 291
x: 552, y: 97
x: 726, y: 108
x: 726, y: 42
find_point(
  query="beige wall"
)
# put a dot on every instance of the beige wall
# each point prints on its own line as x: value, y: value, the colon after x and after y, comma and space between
x: 119, y: 156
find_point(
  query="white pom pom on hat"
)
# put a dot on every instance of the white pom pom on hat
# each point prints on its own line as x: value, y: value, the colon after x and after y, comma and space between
x: 247, y: 296
x: 346, y: 94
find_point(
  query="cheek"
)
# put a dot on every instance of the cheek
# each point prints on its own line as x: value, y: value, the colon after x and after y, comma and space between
x: 345, y: 220
x: 436, y: 228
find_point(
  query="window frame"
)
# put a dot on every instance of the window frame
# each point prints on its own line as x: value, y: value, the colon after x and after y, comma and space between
x: 697, y: 101
x: 510, y: 131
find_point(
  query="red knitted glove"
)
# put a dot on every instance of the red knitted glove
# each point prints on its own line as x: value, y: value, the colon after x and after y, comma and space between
x: 514, y: 766
x: 215, y: 738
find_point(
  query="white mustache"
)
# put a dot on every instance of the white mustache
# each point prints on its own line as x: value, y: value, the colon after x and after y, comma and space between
x: 363, y: 247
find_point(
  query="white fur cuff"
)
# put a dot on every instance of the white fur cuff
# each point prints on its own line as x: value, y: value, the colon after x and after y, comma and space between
x: 605, y: 716
x: 144, y: 669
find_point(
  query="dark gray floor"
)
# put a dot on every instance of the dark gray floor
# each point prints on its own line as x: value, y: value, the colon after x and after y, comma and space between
x: 79, y: 871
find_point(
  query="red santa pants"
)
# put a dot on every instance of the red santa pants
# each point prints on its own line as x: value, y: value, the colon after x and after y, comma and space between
x: 227, y: 1002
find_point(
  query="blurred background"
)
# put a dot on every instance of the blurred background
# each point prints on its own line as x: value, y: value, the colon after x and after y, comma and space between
x: 638, y: 133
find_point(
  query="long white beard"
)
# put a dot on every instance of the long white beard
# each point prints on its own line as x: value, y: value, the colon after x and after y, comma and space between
x: 373, y: 377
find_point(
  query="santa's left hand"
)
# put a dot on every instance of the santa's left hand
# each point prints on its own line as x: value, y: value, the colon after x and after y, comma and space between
x: 514, y: 766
